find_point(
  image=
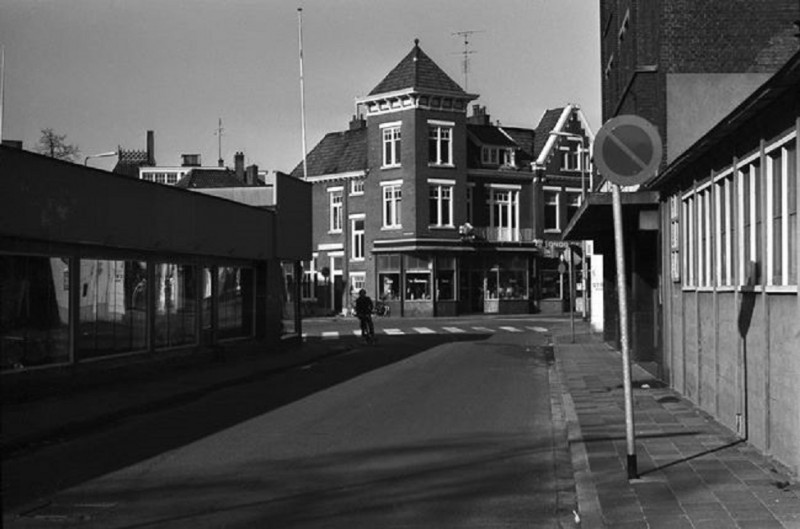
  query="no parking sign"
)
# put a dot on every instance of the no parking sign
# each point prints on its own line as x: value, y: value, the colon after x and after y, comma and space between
x: 627, y: 150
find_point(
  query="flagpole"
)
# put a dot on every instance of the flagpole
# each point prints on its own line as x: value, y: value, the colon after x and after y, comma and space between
x: 302, y: 90
x: 2, y: 86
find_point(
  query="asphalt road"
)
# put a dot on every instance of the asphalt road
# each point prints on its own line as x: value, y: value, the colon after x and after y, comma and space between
x: 440, y: 430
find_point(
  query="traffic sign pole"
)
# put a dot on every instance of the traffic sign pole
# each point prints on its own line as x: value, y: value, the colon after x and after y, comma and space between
x: 622, y: 292
x: 571, y: 295
x: 627, y: 151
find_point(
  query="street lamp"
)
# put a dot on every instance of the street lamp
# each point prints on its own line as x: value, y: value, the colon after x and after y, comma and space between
x: 101, y: 155
x: 582, y: 151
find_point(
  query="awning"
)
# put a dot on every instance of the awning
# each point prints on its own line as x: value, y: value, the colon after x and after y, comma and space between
x: 595, y: 218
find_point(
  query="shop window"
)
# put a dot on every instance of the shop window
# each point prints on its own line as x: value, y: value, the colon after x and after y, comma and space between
x: 508, y: 279
x: 418, y: 278
x: 112, y: 307
x: 389, y: 277
x: 34, y: 311
x: 175, y: 305
x: 235, y: 301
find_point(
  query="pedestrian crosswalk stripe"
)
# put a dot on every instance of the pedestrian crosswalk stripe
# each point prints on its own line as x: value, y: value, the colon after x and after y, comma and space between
x: 454, y: 330
x: 537, y: 329
x: 482, y: 329
x: 393, y: 331
x: 424, y: 330
x: 330, y: 335
x: 511, y: 329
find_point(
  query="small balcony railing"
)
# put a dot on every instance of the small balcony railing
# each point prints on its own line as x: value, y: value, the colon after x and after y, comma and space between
x: 495, y: 234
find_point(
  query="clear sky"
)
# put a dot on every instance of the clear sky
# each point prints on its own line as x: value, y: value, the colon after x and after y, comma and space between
x: 103, y: 72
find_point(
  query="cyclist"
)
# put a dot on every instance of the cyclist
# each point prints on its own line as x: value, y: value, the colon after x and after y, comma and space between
x: 364, y: 313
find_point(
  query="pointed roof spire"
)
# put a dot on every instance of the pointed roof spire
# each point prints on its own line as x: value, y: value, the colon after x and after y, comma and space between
x: 417, y: 71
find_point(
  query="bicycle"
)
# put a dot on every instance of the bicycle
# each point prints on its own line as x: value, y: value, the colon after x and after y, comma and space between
x: 367, y: 328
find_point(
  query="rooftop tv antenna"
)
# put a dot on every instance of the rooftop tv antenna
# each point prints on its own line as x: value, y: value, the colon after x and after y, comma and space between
x: 467, y: 52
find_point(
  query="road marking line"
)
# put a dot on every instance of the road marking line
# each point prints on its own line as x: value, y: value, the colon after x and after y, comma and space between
x: 482, y: 329
x: 537, y: 329
x: 454, y: 330
x: 511, y: 329
x: 357, y: 332
x: 330, y: 335
x: 424, y: 330
x: 305, y: 335
x: 394, y: 331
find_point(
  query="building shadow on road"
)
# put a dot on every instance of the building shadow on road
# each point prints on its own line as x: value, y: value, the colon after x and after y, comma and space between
x: 95, y: 449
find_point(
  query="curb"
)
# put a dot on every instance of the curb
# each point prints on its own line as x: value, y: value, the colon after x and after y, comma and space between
x: 589, y: 509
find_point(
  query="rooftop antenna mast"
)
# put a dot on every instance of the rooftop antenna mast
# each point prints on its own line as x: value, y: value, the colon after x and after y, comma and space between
x: 302, y: 91
x: 466, y: 53
x: 218, y: 133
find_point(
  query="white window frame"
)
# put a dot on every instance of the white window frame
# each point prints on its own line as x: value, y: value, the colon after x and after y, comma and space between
x: 392, y: 203
x: 778, y: 153
x: 391, y: 144
x: 357, y: 187
x: 571, y: 155
x: 557, y: 192
x: 442, y: 192
x: 723, y: 222
x: 310, y: 278
x: 506, y: 197
x: 358, y: 280
x: 336, y: 209
x: 437, y: 130
x: 357, y: 241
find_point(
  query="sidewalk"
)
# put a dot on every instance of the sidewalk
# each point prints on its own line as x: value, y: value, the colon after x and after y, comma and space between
x: 693, y: 472
x: 42, y: 420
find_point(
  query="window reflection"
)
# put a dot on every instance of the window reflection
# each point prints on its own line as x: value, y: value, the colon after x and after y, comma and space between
x: 112, y: 307
x: 34, y: 311
x: 175, y: 304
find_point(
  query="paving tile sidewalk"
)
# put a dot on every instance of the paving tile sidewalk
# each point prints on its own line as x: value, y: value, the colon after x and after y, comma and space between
x: 693, y: 472
x: 74, y: 412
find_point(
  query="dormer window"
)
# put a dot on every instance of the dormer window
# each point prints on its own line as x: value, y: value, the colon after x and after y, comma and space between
x: 502, y: 156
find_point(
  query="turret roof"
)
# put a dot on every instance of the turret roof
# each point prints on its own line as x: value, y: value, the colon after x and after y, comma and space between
x: 417, y: 71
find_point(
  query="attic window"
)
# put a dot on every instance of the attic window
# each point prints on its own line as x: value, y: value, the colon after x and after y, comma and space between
x: 502, y: 156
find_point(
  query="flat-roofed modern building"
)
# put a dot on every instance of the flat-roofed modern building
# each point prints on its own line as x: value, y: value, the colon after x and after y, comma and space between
x: 97, y: 265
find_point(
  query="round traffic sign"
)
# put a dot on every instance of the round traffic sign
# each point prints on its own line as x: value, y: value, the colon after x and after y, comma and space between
x: 627, y: 150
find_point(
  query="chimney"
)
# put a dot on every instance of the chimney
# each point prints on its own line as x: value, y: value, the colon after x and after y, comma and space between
x: 251, y: 175
x: 238, y: 165
x: 151, y: 148
x: 358, y: 122
x: 190, y: 160
x: 479, y: 116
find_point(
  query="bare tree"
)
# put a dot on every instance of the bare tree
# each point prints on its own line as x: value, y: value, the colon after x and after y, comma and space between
x: 56, y: 146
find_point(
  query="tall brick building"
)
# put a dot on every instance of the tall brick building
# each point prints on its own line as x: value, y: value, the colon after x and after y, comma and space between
x: 685, y: 64
x: 438, y: 213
